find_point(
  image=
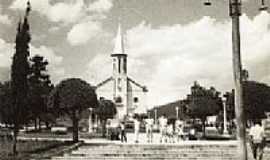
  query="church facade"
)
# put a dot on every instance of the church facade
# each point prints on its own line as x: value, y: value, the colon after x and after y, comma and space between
x: 128, y: 95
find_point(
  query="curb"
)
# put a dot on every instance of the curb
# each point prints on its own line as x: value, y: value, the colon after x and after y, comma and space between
x: 59, y: 152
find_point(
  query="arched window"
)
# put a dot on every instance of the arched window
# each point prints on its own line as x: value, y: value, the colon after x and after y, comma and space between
x: 118, y: 99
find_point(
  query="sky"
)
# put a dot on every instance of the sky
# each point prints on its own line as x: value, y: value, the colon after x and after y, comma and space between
x: 170, y: 43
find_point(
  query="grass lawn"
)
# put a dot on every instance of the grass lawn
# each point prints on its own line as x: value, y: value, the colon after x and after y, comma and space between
x: 48, y: 134
x: 28, y: 149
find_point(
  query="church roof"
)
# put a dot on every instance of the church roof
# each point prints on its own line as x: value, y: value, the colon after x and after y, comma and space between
x: 119, y: 42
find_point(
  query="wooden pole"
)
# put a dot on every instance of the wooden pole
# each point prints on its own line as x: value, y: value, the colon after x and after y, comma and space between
x: 235, y: 12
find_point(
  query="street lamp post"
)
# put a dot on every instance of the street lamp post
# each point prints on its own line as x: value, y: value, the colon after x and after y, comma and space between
x: 177, y: 112
x: 235, y: 13
x: 225, y: 130
x: 155, y: 116
x: 90, y: 125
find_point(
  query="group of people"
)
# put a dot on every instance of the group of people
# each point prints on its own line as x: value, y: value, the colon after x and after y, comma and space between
x: 136, y: 130
x: 169, y: 131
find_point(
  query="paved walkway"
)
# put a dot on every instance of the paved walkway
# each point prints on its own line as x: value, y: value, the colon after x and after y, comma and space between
x: 156, y: 141
x: 131, y: 140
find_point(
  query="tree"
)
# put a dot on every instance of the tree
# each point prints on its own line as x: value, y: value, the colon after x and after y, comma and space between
x: 71, y: 97
x: 203, y: 102
x: 39, y: 89
x: 105, y: 110
x: 19, y: 72
x: 229, y: 96
x: 256, y: 97
x: 6, y: 113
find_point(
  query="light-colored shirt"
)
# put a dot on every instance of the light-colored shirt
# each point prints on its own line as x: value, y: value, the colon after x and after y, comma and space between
x: 178, y: 123
x: 257, y: 133
x: 136, y: 125
x: 192, y: 131
x: 170, y: 129
x: 149, y: 122
x: 163, y: 122
x: 122, y: 126
x: 179, y: 127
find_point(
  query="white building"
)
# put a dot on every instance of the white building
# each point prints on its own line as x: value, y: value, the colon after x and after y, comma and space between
x: 127, y: 94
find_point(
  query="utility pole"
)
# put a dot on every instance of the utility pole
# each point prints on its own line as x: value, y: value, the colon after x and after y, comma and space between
x: 235, y: 13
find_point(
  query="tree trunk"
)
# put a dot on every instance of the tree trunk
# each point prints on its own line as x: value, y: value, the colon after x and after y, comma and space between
x: 203, y: 127
x: 26, y: 126
x: 15, y: 134
x: 103, y: 122
x: 39, y: 124
x: 35, y: 124
x: 75, y: 127
x: 47, y: 125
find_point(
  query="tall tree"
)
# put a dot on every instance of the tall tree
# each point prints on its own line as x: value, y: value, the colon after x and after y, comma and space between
x: 105, y: 110
x: 19, y: 72
x: 6, y: 103
x: 71, y: 97
x: 39, y: 89
x: 203, y: 102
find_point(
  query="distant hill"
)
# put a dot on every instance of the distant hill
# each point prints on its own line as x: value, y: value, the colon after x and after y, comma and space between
x: 170, y: 110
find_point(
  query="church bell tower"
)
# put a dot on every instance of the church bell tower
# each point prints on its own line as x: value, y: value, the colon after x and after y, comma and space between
x: 123, y: 87
x: 120, y: 79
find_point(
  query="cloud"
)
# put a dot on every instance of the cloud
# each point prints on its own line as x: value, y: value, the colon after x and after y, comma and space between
x: 83, y: 32
x: 7, y: 51
x: 54, y: 68
x: 4, y: 19
x: 4, y: 74
x: 100, y: 6
x: 46, y: 52
x: 83, y: 19
x: 42, y: 6
x: 98, y: 69
x: 67, y: 11
x: 168, y: 59
x: 175, y: 56
x: 54, y: 29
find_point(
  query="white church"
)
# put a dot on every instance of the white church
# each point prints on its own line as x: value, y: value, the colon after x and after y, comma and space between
x: 129, y: 96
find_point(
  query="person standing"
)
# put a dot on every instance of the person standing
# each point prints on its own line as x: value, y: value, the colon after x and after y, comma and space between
x: 149, y: 122
x: 257, y: 140
x: 170, y: 133
x: 123, y: 132
x: 136, y: 129
x: 179, y: 130
x: 163, y: 128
